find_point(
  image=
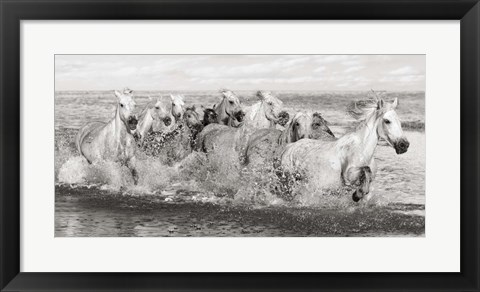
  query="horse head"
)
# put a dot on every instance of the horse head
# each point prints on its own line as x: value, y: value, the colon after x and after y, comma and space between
x: 192, y: 119
x: 383, y: 117
x: 126, y: 107
x: 209, y: 116
x: 390, y: 127
x: 161, y: 113
x: 300, y: 127
x: 231, y: 105
x: 272, y: 105
x: 178, y: 104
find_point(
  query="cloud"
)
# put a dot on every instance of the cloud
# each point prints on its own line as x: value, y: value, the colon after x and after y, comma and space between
x: 353, y: 69
x: 320, y: 69
x: 209, y: 72
x: 406, y: 70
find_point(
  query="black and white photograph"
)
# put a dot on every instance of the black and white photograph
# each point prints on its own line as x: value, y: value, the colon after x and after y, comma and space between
x: 240, y: 145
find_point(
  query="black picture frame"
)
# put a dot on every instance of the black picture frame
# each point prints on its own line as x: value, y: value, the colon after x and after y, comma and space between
x: 13, y: 11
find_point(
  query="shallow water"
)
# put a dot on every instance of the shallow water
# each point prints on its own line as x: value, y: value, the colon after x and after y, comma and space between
x: 191, y: 198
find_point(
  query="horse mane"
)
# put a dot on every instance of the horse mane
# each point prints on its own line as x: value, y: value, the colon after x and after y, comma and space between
x: 262, y: 93
x: 361, y: 110
x: 149, y: 105
x: 319, y: 116
x: 190, y: 108
x: 287, y: 133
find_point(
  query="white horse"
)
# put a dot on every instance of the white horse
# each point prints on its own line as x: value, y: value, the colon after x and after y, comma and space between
x: 114, y: 141
x: 349, y: 160
x: 178, y: 106
x: 265, y: 113
x: 154, y: 112
x: 229, y: 111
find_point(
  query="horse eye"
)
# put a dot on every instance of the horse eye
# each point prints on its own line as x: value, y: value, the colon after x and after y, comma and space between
x: 157, y: 107
x: 270, y: 103
x: 121, y: 104
x: 231, y: 102
x: 386, y: 121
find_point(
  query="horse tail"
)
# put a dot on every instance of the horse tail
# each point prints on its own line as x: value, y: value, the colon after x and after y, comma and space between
x: 79, y: 138
x: 84, y: 132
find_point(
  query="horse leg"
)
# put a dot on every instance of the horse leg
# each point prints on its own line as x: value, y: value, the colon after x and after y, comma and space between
x: 373, y: 168
x: 364, y: 180
x: 131, y: 164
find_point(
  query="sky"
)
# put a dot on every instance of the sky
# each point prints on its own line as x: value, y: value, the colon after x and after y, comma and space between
x: 240, y: 72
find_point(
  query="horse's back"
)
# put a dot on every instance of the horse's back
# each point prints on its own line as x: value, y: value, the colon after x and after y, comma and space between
x: 208, y: 134
x: 262, y: 144
x: 303, y: 151
x: 87, y: 134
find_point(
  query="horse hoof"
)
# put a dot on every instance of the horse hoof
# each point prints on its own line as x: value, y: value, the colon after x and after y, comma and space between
x: 355, y: 197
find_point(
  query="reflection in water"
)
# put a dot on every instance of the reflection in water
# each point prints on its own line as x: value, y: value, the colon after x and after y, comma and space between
x: 81, y: 212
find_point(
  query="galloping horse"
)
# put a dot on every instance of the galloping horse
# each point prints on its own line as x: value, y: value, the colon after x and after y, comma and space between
x: 349, y: 160
x: 229, y: 111
x: 264, y: 145
x: 154, y: 112
x: 99, y: 141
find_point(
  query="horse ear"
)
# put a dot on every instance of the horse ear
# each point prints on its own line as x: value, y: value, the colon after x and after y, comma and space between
x: 395, y: 103
x: 118, y: 94
x: 380, y: 104
x: 260, y: 95
x: 172, y: 97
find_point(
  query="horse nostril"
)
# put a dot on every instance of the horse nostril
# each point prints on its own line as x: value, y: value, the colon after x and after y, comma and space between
x: 133, y: 120
x: 239, y: 115
x: 167, y: 121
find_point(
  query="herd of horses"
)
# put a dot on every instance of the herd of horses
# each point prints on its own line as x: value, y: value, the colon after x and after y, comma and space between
x: 260, y: 134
